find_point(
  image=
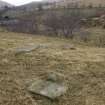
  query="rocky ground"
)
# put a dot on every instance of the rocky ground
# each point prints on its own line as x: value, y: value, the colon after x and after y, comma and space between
x: 83, y: 66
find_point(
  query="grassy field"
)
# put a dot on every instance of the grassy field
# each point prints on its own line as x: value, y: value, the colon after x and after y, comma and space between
x: 83, y: 66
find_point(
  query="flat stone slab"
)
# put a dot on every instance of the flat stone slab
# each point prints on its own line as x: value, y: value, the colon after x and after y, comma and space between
x: 27, y: 49
x: 49, y: 87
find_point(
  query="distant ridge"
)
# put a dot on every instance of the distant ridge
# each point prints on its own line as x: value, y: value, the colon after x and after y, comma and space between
x: 31, y: 6
x: 4, y: 4
x: 94, y: 3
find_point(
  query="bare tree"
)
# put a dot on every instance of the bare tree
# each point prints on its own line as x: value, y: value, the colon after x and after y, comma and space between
x: 90, y: 5
x: 65, y: 22
x: 40, y: 7
x: 52, y: 23
x: 2, y: 11
x: 70, y: 22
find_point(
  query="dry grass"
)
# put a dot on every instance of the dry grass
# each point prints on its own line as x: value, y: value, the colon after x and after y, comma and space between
x: 91, y: 37
x: 84, y: 67
x: 95, y: 3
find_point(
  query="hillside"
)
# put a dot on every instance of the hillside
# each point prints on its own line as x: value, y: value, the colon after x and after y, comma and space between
x: 25, y: 9
x: 80, y: 3
x: 83, y: 66
x: 54, y: 4
x: 95, y: 3
x: 31, y: 6
x: 4, y: 4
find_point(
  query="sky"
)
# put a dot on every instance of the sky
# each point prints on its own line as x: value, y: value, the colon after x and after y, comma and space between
x: 19, y: 2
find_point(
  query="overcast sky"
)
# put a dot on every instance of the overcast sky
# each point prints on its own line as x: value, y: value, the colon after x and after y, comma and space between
x: 19, y: 2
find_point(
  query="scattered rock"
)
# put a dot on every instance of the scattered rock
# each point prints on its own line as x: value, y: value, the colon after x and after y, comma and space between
x: 55, y: 77
x: 29, y: 48
x: 22, y: 50
x: 5, y: 60
x: 50, y: 87
x: 71, y: 47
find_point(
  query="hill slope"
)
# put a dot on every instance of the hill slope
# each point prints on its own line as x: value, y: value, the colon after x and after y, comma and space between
x: 4, y: 4
x: 95, y: 3
x: 70, y: 3
x: 83, y: 66
x: 31, y: 6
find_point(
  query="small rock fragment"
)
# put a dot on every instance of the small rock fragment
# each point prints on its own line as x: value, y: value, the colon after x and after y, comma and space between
x: 55, y: 77
x: 69, y: 47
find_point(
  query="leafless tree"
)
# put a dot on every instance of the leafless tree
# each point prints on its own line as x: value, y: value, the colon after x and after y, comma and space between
x: 69, y: 22
x: 25, y: 26
x: 52, y: 23
x: 65, y: 22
